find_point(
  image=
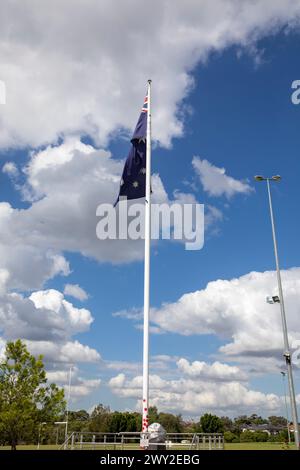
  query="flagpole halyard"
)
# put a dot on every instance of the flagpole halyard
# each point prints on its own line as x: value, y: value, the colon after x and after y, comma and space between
x: 145, y: 404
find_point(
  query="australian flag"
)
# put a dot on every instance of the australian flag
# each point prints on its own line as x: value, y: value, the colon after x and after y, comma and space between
x: 133, y: 181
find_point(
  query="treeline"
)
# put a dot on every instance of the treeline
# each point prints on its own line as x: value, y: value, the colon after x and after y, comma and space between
x: 31, y: 410
x: 103, y: 420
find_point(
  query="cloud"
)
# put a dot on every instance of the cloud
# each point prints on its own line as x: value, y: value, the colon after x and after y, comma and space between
x: 80, y: 387
x: 10, y: 169
x: 216, y: 371
x: 117, y: 381
x: 61, y: 214
x: 43, y: 315
x: 69, y: 352
x: 236, y: 311
x: 91, y: 80
x: 201, y: 387
x: 4, y: 277
x: 47, y: 322
x: 74, y: 290
x: 157, y: 362
x: 64, y: 315
x: 83, y: 388
x: 2, y: 349
x: 20, y: 251
x: 215, y: 181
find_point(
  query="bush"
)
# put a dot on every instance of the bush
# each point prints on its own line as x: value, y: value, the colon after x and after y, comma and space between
x: 249, y: 436
x: 282, y: 436
x: 229, y: 437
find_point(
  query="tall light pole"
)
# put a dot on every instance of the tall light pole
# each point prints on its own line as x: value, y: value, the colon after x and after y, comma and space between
x: 286, y: 407
x: 57, y: 423
x: 39, y: 435
x: 287, y: 353
x: 68, y: 400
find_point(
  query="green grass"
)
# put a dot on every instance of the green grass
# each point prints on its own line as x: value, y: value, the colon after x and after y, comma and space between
x: 32, y: 447
x: 257, y: 446
x: 231, y: 446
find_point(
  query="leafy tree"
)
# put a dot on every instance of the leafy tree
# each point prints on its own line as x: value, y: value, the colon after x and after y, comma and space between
x: 100, y: 410
x: 25, y: 399
x: 170, y: 422
x: 78, y: 420
x: 242, y: 421
x: 211, y: 423
x: 277, y: 420
x: 152, y: 414
x: 190, y: 426
x: 123, y: 422
x: 255, y: 419
x: 227, y: 423
x: 80, y: 415
x: 100, y: 419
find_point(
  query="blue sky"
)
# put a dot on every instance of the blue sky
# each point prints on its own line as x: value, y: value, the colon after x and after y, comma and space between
x: 236, y: 113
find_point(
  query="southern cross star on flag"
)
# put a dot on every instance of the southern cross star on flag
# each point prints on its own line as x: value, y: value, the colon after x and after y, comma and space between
x: 133, y: 181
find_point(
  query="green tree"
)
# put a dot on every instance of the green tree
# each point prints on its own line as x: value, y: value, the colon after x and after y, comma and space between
x: 25, y: 398
x: 170, y: 422
x: 227, y: 423
x: 277, y: 420
x: 100, y: 410
x: 123, y: 422
x: 255, y: 419
x: 78, y: 420
x: 152, y: 414
x: 211, y: 423
x: 100, y: 419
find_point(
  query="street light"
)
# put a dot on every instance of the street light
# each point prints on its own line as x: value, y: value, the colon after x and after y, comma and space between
x: 286, y: 407
x: 57, y: 423
x: 262, y: 178
x: 40, y: 427
x: 287, y: 354
x: 68, y: 400
x: 273, y: 299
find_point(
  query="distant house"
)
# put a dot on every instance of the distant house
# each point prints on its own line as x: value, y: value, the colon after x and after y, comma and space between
x: 267, y: 428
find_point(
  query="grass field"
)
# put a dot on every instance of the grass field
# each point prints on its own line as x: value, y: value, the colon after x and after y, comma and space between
x: 234, y: 446
x: 257, y: 446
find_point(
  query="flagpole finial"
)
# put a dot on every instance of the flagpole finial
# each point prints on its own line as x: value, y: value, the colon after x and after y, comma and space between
x: 149, y: 81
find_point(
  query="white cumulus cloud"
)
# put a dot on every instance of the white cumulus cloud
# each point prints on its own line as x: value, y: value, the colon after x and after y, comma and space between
x: 47, y: 322
x: 201, y: 387
x: 216, y: 371
x: 87, y: 75
x: 215, y: 181
x: 74, y: 290
x: 63, y: 186
x: 236, y: 311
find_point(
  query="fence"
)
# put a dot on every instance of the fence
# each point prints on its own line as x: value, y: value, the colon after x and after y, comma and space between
x: 131, y: 441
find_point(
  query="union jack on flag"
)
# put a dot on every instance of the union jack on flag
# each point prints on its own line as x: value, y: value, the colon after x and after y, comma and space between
x: 145, y: 105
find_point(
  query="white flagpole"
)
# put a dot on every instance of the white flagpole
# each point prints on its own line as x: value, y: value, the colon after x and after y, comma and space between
x: 147, y: 269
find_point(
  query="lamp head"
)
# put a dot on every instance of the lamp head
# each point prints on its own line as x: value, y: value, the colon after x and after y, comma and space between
x: 259, y: 178
x: 276, y: 178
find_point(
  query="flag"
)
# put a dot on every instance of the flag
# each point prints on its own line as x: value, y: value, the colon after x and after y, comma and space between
x: 133, y: 181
